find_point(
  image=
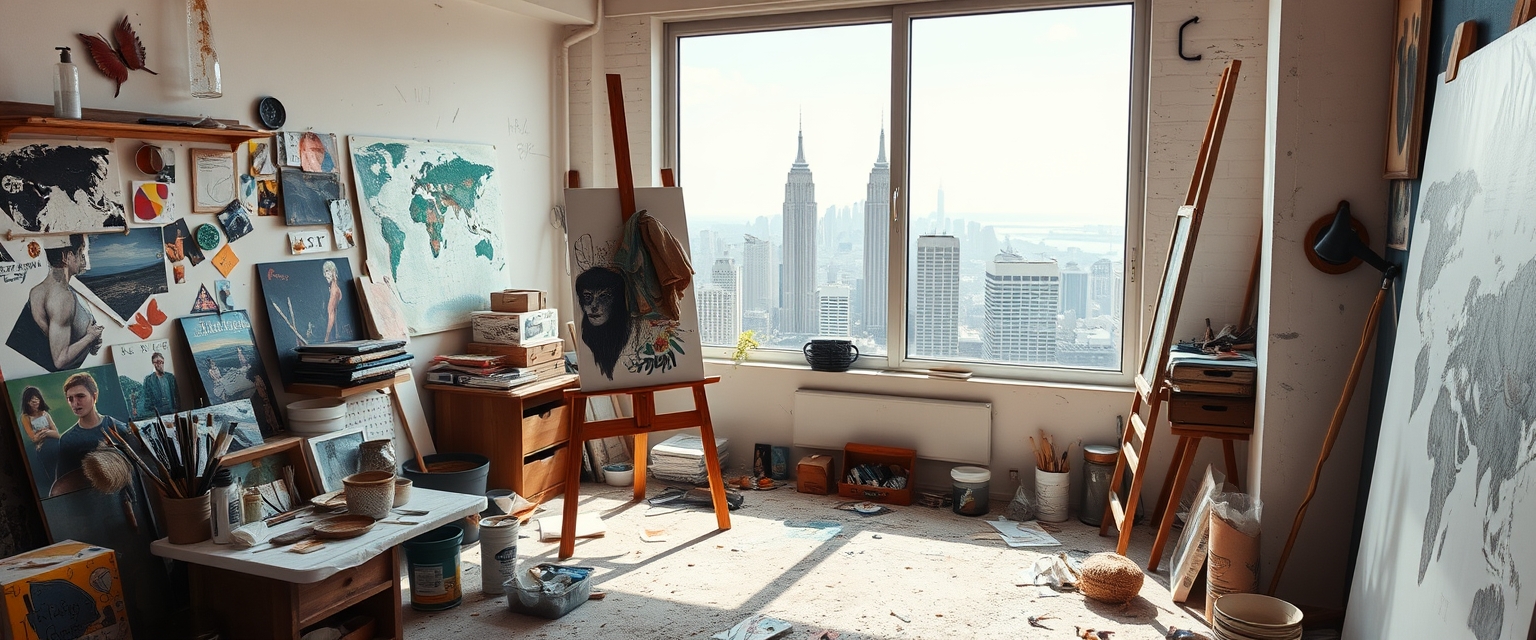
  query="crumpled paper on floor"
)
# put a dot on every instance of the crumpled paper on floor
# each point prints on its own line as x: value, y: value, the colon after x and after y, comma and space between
x: 1058, y: 571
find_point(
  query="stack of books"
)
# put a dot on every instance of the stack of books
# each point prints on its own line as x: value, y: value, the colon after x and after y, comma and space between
x: 681, y: 459
x: 350, y: 363
x: 530, y: 339
x: 480, y: 371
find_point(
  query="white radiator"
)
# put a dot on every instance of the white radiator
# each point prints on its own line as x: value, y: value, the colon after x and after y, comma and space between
x: 944, y: 430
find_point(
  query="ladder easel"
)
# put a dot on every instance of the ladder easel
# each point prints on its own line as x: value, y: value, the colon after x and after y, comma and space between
x: 1152, y: 386
x: 643, y: 399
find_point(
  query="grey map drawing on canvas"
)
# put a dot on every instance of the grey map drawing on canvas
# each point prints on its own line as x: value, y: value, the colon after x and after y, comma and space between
x: 1441, y: 554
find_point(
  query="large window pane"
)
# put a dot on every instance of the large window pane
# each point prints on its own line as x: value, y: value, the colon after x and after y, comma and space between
x: 782, y: 153
x: 1019, y: 151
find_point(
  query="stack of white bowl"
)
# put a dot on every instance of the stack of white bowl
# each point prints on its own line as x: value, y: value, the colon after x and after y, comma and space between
x: 317, y: 417
x: 1250, y: 616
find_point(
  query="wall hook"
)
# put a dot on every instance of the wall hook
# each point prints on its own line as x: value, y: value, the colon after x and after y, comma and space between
x: 1188, y: 22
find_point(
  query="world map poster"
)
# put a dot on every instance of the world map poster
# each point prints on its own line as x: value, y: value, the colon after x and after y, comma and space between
x: 1446, y: 545
x: 431, y: 211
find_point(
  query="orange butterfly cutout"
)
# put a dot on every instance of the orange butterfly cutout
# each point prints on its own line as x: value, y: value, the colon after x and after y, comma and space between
x: 142, y: 326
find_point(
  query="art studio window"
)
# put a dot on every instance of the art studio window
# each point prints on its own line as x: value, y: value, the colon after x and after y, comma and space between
x: 968, y: 205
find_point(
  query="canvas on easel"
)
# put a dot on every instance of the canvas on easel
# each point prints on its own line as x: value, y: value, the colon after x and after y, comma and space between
x: 615, y: 349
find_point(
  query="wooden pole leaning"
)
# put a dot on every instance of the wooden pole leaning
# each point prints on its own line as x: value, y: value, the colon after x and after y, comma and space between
x: 645, y: 421
x: 1152, y: 388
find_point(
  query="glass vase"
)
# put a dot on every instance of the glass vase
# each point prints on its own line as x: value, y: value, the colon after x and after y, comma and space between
x: 202, y: 59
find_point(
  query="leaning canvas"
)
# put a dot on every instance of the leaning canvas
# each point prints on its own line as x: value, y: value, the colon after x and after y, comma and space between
x: 224, y: 355
x: 431, y: 212
x: 1446, y: 543
x: 308, y: 302
x: 615, y: 349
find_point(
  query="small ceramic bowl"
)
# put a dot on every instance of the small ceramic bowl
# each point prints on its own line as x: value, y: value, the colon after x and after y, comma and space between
x: 619, y: 475
x: 402, y: 491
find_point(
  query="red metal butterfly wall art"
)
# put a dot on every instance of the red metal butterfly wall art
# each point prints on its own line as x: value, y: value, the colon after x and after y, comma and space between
x: 115, y: 63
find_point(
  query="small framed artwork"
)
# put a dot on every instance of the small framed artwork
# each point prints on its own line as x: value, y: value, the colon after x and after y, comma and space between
x: 214, y: 180
x: 265, y: 467
x: 1410, y: 63
x: 334, y: 456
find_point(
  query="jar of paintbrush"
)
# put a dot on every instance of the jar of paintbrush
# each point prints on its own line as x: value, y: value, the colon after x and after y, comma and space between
x: 180, y: 457
x: 1052, y: 472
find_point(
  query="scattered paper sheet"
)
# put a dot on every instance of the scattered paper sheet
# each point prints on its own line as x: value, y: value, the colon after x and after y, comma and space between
x: 758, y: 627
x: 1023, y: 534
x: 588, y: 525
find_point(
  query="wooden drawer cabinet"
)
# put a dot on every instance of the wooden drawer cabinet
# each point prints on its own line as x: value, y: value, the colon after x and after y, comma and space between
x: 524, y: 431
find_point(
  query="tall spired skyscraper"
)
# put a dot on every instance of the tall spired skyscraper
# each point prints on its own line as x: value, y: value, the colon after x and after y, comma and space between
x: 799, y: 279
x: 877, y: 236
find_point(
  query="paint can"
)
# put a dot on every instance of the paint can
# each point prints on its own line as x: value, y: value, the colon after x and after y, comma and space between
x: 498, y: 552
x: 433, y: 559
x: 1051, y: 495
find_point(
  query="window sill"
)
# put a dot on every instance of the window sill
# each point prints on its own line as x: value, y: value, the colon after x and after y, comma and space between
x: 914, y: 375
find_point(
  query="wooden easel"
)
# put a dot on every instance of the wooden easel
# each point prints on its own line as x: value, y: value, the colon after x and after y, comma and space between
x: 643, y: 399
x: 1152, y: 386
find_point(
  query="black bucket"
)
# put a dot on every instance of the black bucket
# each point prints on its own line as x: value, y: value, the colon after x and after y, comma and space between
x: 470, y: 481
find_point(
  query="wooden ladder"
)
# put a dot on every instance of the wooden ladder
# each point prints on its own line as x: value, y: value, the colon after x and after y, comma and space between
x: 1151, y: 380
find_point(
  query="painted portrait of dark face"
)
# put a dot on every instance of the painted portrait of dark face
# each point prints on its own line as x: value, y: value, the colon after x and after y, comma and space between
x: 605, y: 320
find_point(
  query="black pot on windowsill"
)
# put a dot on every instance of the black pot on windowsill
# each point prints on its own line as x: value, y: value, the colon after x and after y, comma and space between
x: 830, y: 354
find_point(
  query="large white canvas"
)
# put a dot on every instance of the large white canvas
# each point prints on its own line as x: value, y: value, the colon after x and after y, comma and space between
x: 594, y: 229
x: 1447, y: 539
x: 431, y: 212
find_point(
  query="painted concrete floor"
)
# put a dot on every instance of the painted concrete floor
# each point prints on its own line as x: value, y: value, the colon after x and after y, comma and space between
x: 915, y: 573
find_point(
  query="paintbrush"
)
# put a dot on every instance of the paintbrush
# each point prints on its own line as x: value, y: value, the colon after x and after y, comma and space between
x: 122, y: 445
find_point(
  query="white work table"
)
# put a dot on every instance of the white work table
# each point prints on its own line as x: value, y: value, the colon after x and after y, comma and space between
x: 282, y: 593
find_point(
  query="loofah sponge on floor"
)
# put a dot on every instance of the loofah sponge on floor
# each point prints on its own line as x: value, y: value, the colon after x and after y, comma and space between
x: 1110, y: 578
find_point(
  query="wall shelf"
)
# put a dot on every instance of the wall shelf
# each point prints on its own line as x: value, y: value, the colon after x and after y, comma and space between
x: 328, y: 391
x: 64, y: 127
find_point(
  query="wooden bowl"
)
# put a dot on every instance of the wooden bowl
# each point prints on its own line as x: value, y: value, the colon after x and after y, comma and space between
x: 342, y: 527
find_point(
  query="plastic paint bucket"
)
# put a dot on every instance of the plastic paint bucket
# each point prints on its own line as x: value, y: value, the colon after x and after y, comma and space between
x: 466, y: 474
x: 971, y: 487
x: 498, y: 552
x: 436, y: 579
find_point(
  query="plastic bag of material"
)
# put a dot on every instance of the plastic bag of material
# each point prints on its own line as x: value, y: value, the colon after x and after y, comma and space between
x: 1022, y: 508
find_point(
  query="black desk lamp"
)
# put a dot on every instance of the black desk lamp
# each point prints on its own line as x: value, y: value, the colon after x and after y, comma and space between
x: 1340, y: 246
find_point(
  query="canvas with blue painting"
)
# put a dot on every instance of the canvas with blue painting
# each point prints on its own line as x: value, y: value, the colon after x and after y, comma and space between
x: 224, y: 353
x: 123, y: 270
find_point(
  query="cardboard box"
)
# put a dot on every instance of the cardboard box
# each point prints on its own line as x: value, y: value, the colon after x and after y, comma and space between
x: 65, y: 590
x: 531, y: 327
x: 517, y: 300
x: 814, y: 475
x: 531, y: 355
x: 549, y: 370
x: 896, y: 460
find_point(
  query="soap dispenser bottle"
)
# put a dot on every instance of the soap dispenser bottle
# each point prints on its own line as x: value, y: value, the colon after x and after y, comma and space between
x: 66, y: 87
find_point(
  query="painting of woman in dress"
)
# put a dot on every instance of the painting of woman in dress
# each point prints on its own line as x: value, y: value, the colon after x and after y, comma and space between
x: 309, y: 302
x: 38, y: 427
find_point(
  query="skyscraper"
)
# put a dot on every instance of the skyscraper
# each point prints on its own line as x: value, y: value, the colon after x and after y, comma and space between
x: 1022, y: 300
x: 834, y: 304
x: 877, y: 239
x: 936, y: 298
x: 756, y: 275
x: 799, y: 280
x: 1101, y: 286
x: 719, y: 315
x: 1074, y: 291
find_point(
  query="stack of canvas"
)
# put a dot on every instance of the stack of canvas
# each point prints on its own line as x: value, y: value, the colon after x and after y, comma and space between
x: 681, y: 459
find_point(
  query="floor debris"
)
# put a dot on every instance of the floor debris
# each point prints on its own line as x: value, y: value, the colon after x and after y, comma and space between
x: 1034, y: 621
x: 818, y: 530
x: 901, y: 617
x: 1093, y: 634
x: 1023, y: 534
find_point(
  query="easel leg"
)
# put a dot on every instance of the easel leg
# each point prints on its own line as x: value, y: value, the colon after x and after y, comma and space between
x: 711, y: 459
x: 577, y: 410
x: 642, y: 451
x: 1169, y: 481
x: 1184, y: 457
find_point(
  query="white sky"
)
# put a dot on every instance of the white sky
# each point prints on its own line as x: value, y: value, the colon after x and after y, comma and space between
x: 1021, y: 112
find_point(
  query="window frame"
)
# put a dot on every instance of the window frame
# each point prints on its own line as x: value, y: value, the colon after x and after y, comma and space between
x: 900, y: 16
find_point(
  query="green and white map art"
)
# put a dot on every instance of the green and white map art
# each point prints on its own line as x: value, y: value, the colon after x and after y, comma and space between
x: 431, y: 212
x: 1446, y: 545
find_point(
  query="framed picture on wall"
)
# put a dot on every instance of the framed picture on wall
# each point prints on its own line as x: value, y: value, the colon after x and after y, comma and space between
x: 214, y: 184
x: 1410, y: 63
